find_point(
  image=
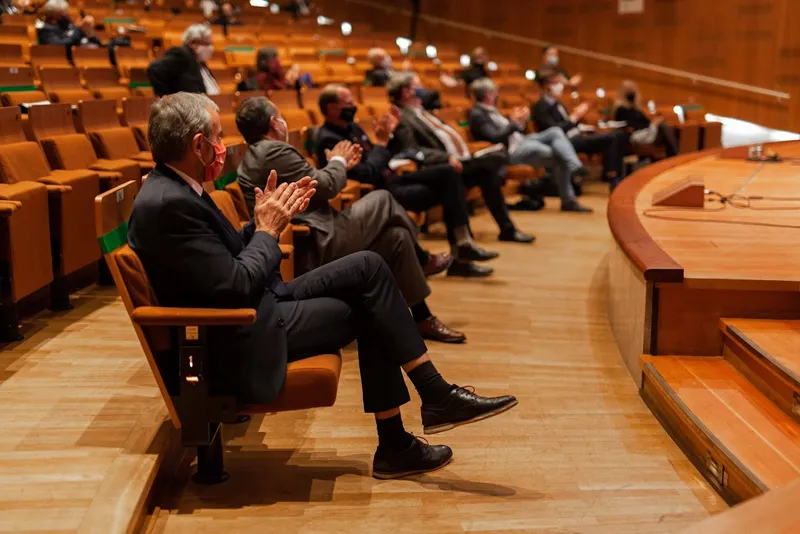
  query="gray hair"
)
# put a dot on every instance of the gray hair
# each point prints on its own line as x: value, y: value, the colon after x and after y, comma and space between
x: 174, y: 120
x: 195, y: 32
x: 397, y: 82
x: 374, y: 53
x: 55, y: 6
x: 482, y: 87
x: 254, y: 118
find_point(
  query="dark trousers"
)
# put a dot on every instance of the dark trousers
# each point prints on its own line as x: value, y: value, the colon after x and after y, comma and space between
x: 612, y: 145
x: 485, y: 173
x: 439, y: 184
x: 666, y: 138
x: 355, y: 297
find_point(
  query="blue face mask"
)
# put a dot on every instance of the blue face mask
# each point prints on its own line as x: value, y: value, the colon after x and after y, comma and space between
x: 420, y: 92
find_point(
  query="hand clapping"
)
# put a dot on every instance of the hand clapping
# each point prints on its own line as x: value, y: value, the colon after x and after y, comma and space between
x: 275, y: 206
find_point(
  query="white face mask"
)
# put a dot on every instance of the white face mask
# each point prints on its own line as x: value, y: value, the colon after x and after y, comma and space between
x: 557, y: 89
x: 204, y: 52
x: 552, y: 60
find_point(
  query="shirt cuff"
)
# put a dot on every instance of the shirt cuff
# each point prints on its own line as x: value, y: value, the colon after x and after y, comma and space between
x: 340, y: 159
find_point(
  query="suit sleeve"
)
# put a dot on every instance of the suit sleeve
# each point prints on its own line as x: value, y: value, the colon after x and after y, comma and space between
x: 484, y: 129
x: 544, y: 119
x: 247, y: 231
x: 199, y: 255
x: 166, y: 70
x: 404, y: 140
x: 50, y: 36
x: 331, y: 179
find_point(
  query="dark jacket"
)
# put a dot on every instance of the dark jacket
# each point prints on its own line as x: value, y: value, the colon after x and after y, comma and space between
x: 484, y: 128
x: 546, y: 115
x: 633, y: 116
x: 379, y: 76
x: 374, y: 166
x: 195, y: 258
x: 474, y: 72
x: 177, y: 70
x: 413, y: 135
x: 68, y: 35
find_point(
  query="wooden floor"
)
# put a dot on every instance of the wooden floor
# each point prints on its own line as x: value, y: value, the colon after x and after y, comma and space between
x: 581, y: 453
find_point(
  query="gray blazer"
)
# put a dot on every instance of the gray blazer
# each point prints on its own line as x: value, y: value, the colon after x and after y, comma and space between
x: 412, y: 134
x: 483, y: 126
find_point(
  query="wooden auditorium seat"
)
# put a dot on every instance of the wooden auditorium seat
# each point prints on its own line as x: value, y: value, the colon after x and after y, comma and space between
x: 111, y: 140
x: 103, y: 83
x: 70, y: 194
x: 53, y: 56
x: 310, y: 383
x: 17, y: 86
x: 63, y: 85
x: 67, y: 149
x: 285, y: 99
x: 11, y: 55
x: 87, y: 57
x: 227, y: 118
x: 16, y: 35
x: 135, y: 115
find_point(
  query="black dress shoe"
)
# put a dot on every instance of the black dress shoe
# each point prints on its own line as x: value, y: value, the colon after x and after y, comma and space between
x: 435, y: 330
x: 437, y: 263
x: 576, y: 206
x: 514, y: 235
x: 580, y: 173
x: 469, y: 270
x: 460, y: 407
x: 474, y: 253
x: 418, y: 458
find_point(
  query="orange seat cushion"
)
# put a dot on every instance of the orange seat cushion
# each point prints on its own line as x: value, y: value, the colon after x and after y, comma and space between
x: 310, y: 383
x: 70, y: 96
x: 21, y: 162
x: 23, y: 97
x: 115, y: 143
x: 129, y: 169
x: 520, y: 173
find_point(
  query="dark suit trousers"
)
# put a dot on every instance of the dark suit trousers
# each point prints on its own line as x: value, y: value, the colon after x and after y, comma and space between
x: 612, y: 145
x: 485, y: 173
x: 439, y: 184
x: 355, y: 297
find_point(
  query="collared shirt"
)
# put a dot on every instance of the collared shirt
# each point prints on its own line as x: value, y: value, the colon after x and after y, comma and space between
x: 515, y: 138
x: 196, y: 187
x: 212, y: 88
x: 452, y: 141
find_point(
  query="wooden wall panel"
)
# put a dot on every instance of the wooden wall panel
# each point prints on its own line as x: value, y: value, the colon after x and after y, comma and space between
x: 747, y: 41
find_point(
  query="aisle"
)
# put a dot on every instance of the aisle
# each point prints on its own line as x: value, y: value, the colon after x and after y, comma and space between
x: 581, y: 452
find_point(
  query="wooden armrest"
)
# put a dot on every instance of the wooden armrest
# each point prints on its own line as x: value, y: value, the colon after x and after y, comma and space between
x: 366, y: 188
x: 7, y: 207
x: 474, y: 146
x: 407, y: 168
x: 158, y: 316
x: 347, y: 197
x: 301, y: 229
x: 57, y: 188
x: 286, y: 251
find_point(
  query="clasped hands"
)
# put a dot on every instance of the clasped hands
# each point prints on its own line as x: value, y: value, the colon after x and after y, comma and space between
x: 278, y: 204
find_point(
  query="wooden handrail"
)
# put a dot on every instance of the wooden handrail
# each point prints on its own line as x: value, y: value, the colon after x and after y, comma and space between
x: 626, y: 227
x: 616, y: 60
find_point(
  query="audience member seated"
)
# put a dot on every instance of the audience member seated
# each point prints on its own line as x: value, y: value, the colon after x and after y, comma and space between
x: 376, y: 222
x: 227, y: 17
x: 550, y: 148
x: 548, y: 111
x: 477, y: 67
x: 550, y: 59
x: 269, y: 73
x: 415, y: 191
x: 381, y: 69
x: 195, y: 258
x: 183, y: 68
x: 423, y: 137
x: 58, y: 28
x: 628, y: 108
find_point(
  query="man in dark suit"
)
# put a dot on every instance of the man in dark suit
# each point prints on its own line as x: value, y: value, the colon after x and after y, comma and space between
x: 183, y: 68
x: 550, y: 148
x: 423, y: 137
x: 381, y: 69
x: 195, y: 258
x: 477, y: 67
x: 376, y: 222
x: 58, y: 29
x: 548, y: 112
x: 415, y: 191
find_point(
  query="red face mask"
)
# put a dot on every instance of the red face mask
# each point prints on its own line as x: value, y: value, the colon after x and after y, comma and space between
x: 212, y: 170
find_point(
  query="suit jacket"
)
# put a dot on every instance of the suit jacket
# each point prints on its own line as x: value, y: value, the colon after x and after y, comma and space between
x: 374, y: 166
x: 413, y: 137
x: 474, y: 72
x: 177, y: 70
x: 484, y: 128
x: 195, y: 258
x: 291, y: 166
x: 546, y: 115
x: 379, y: 76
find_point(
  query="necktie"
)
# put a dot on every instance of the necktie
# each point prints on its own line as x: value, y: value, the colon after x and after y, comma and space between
x: 436, y: 124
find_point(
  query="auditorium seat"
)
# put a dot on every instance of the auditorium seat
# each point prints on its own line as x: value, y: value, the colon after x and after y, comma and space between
x: 11, y: 55
x: 86, y: 56
x: 226, y: 80
x: 103, y: 83
x: 63, y: 85
x: 130, y: 58
x: 227, y: 117
x: 285, y: 99
x: 309, y: 383
x: 70, y: 194
x: 52, y: 56
x: 16, y: 35
x: 241, y: 96
x: 17, y: 86
x: 135, y: 115
x: 67, y: 149
x: 111, y: 140
x: 138, y: 82
x: 299, y: 118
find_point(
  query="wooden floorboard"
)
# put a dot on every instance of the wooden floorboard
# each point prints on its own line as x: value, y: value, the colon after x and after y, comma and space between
x: 581, y: 452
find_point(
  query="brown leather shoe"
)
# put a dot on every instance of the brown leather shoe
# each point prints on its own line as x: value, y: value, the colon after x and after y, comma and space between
x: 435, y: 330
x: 437, y: 263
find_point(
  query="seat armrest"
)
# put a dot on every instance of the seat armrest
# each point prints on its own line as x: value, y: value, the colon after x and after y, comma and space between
x: 160, y: 316
x: 474, y: 146
x: 7, y: 207
x: 286, y: 250
x: 366, y: 188
x: 301, y: 229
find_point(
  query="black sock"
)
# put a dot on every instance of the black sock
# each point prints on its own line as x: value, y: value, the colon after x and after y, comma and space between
x: 420, y: 312
x: 430, y: 385
x: 392, y: 435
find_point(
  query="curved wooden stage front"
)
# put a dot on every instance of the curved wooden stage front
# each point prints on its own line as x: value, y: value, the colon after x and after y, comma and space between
x: 672, y: 278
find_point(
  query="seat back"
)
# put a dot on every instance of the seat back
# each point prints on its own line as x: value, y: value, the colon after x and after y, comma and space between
x: 11, y: 55
x: 136, y: 111
x: 285, y: 99
x: 49, y: 56
x: 225, y: 204
x: 237, y: 196
x: 112, y: 212
x: 52, y: 120
x: 20, y: 162
x: 100, y: 77
x: 226, y: 80
x: 11, y: 126
x: 129, y: 58
x: 97, y: 114
x: 226, y: 104
x: 84, y: 56
x: 370, y: 95
x: 63, y: 85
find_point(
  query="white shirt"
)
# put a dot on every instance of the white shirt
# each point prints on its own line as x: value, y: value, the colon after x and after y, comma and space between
x: 515, y: 138
x: 212, y: 88
x: 196, y: 187
x: 440, y: 129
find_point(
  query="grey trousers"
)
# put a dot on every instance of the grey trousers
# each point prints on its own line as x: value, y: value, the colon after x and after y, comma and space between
x: 377, y: 222
x: 551, y: 149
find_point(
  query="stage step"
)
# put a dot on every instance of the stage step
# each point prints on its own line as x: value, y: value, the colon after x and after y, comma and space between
x: 767, y: 353
x: 740, y: 441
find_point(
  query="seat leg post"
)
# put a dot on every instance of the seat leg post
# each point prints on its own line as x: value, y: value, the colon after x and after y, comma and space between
x: 104, y: 277
x: 59, y: 295
x: 210, y: 466
x: 9, y: 323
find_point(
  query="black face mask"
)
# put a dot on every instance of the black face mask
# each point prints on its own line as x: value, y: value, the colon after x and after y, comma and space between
x: 348, y: 113
x: 630, y: 96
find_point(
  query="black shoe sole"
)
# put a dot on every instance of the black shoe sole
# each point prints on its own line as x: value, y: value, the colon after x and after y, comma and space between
x: 401, y: 474
x: 436, y: 429
x: 471, y: 274
x: 449, y: 341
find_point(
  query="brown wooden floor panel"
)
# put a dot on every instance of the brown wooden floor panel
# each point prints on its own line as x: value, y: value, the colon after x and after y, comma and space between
x: 779, y: 339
